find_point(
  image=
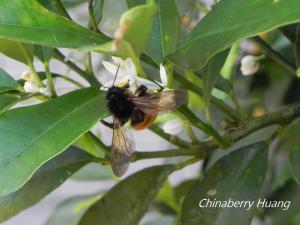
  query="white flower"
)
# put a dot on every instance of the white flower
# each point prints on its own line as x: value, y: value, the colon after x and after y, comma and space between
x: 31, y: 87
x: 249, y: 65
x: 127, y: 73
x: 173, y: 127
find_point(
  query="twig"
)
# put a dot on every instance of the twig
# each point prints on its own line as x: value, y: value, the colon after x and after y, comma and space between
x: 276, y: 56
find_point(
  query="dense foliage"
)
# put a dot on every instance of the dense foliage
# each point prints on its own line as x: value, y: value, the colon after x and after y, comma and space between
x: 237, y: 60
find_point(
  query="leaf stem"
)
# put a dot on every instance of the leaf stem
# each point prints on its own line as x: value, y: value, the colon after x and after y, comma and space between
x: 170, y: 138
x: 92, y: 19
x: 50, y: 80
x: 202, y: 8
x: 139, y: 155
x: 61, y: 9
x: 188, y: 162
x: 236, y: 116
x: 274, y: 55
x: 197, y: 122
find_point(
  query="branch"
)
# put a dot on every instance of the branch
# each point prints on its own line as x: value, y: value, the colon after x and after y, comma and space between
x: 167, y: 153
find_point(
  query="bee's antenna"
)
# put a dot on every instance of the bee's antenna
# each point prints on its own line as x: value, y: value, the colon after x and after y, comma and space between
x: 116, y: 75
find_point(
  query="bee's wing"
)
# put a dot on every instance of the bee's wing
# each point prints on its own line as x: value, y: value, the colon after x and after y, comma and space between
x: 122, y: 148
x: 161, y: 102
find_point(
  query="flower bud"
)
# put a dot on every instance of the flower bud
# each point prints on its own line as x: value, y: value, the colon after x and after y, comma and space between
x: 249, y: 65
x: 26, y: 75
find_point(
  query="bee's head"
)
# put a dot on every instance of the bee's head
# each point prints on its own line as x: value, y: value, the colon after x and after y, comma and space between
x: 113, y: 92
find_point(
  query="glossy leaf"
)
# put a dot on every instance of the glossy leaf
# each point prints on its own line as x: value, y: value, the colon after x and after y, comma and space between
x: 7, y: 83
x: 32, y: 135
x: 71, y: 210
x: 98, y: 10
x: 87, y: 143
x: 166, y: 196
x: 127, y: 202
x: 7, y: 100
x: 135, y: 25
x: 244, y: 18
x: 238, y: 176
x: 46, y: 179
x: 290, y: 195
x: 27, y: 21
x: 165, y: 31
x: 289, y: 141
x: 133, y: 3
x: 43, y: 53
x: 93, y: 172
x: 17, y: 50
x: 211, y: 71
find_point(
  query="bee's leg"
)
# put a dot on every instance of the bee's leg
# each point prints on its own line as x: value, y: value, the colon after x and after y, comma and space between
x: 107, y: 124
x: 141, y: 90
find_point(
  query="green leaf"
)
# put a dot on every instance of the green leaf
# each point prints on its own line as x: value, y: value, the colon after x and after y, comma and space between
x: 127, y: 202
x: 27, y: 21
x: 133, y: 3
x: 46, y: 179
x: 7, y: 100
x: 135, y: 25
x: 119, y: 48
x: 71, y: 210
x: 165, y: 31
x: 43, y: 53
x: 32, y: 135
x: 166, y: 196
x: 182, y: 189
x: 17, y: 51
x: 238, y: 176
x: 7, y: 83
x: 289, y: 194
x: 289, y: 141
x: 93, y: 172
x: 87, y: 143
x: 244, y: 18
x: 98, y: 10
x: 211, y: 71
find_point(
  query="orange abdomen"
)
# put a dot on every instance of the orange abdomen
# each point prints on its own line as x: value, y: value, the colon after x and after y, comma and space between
x: 145, y: 123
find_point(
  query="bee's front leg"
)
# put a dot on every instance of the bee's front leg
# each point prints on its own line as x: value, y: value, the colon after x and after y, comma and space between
x: 110, y: 125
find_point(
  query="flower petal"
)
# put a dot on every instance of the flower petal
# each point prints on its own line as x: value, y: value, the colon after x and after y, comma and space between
x: 173, y: 127
x: 118, y: 60
x: 31, y: 87
x: 163, y: 75
x: 113, y: 68
x: 130, y: 67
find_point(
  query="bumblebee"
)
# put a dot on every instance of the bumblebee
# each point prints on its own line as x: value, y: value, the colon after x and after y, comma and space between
x: 140, y: 108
